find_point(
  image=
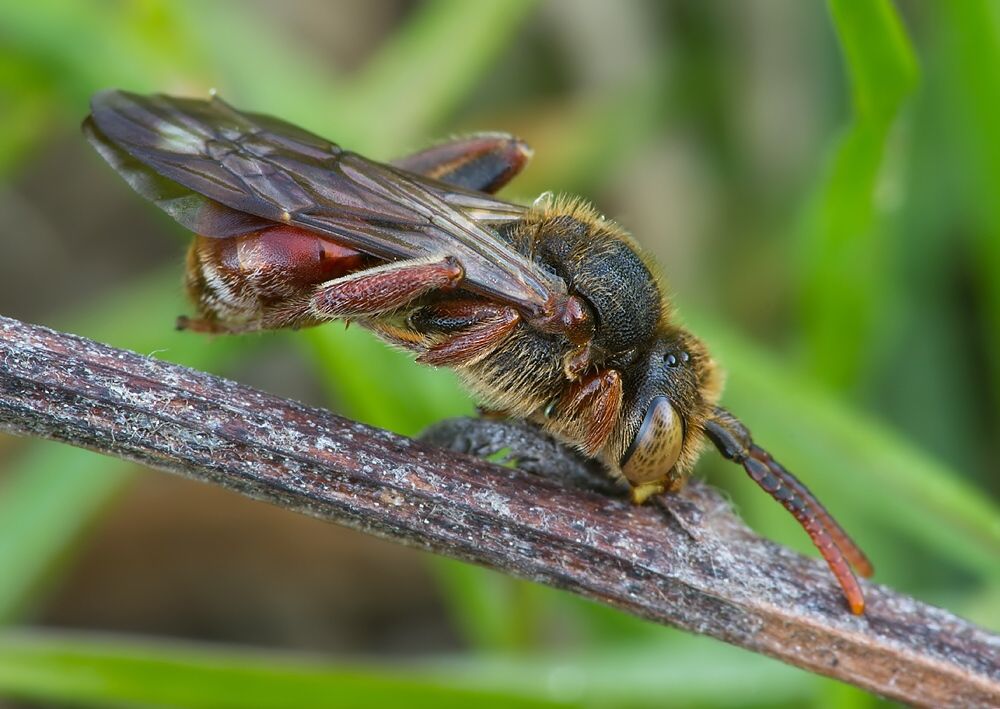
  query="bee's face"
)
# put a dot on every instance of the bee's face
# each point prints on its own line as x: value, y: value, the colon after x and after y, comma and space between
x: 674, y: 389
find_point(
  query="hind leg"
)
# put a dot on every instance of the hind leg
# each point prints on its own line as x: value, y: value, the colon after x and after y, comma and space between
x: 384, y: 288
x: 484, y: 162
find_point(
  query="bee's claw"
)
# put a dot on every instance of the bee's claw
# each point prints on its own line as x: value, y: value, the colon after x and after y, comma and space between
x: 641, y: 493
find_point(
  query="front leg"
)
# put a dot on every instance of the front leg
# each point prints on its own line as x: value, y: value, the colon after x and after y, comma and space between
x: 378, y: 290
x: 524, y: 445
x: 527, y: 447
x: 590, y: 406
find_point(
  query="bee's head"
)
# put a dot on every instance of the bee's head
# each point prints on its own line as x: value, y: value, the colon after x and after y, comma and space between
x: 666, y: 405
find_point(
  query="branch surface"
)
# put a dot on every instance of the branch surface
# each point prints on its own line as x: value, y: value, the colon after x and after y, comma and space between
x: 691, y: 563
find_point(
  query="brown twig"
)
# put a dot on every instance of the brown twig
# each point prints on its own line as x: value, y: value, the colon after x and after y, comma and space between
x: 697, y: 568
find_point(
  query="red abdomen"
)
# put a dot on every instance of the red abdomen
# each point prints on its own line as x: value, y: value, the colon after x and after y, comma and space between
x: 263, y: 279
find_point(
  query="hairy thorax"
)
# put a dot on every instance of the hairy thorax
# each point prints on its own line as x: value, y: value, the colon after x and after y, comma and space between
x: 598, y: 262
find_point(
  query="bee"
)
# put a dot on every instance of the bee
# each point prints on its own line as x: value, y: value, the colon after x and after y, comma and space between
x: 548, y: 312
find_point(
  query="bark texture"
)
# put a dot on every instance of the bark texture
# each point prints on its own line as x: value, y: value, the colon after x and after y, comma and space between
x: 689, y: 563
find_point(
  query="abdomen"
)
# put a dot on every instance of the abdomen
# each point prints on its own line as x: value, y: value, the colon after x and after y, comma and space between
x: 264, y: 279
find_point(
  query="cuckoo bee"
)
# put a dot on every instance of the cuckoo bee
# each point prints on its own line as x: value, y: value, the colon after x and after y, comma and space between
x: 547, y: 312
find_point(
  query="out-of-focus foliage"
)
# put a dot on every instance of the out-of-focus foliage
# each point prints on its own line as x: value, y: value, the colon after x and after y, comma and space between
x: 842, y: 271
x: 819, y: 183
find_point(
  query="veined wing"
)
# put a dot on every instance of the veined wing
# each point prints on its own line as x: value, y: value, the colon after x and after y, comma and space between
x: 218, y: 170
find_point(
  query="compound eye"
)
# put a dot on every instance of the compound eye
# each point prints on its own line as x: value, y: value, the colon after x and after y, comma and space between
x: 656, y: 446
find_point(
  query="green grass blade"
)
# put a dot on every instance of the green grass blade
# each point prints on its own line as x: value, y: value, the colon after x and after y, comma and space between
x: 49, y: 496
x: 81, y: 48
x: 26, y: 114
x: 102, y: 674
x: 425, y: 70
x: 373, y: 383
x: 971, y: 50
x: 493, y: 611
x: 114, y: 672
x: 278, y: 75
x: 841, y: 273
x: 85, y: 49
x: 879, y: 57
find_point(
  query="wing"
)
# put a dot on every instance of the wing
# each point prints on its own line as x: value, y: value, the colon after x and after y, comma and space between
x: 218, y: 171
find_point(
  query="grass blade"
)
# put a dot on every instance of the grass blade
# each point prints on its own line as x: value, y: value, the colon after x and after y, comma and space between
x: 109, y: 672
x: 841, y: 273
x: 434, y: 61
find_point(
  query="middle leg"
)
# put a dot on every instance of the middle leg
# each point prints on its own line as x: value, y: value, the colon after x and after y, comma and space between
x: 473, y: 328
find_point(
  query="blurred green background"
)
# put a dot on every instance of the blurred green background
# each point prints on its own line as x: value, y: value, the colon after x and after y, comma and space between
x: 819, y: 180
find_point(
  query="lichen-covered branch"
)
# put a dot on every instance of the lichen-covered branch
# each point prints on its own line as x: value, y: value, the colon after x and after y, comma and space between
x: 691, y: 563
